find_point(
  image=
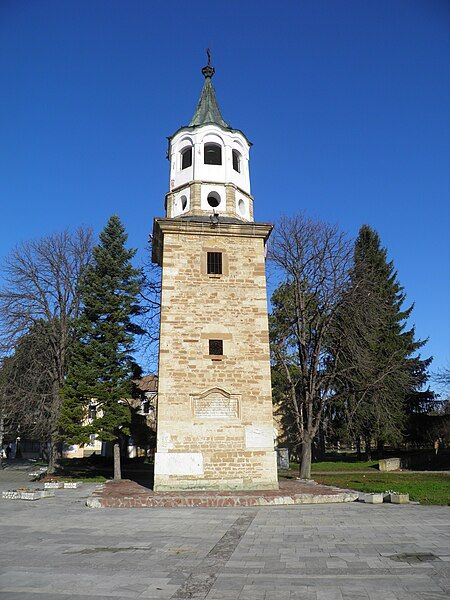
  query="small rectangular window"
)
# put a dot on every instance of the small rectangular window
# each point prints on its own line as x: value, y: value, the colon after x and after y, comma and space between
x: 214, y: 263
x: 216, y: 347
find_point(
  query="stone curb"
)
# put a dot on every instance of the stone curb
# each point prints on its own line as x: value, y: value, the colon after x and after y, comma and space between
x: 380, y: 498
x: 206, y: 501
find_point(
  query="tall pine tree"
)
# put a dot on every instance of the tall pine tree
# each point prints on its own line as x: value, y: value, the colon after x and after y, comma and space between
x: 102, y: 366
x: 385, y: 371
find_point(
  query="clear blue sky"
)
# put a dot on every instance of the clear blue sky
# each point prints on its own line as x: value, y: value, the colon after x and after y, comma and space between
x: 346, y: 103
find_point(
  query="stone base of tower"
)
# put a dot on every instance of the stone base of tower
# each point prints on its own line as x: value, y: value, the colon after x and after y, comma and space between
x: 224, y: 470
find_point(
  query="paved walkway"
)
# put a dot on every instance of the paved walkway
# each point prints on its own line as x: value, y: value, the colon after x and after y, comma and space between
x: 57, y: 549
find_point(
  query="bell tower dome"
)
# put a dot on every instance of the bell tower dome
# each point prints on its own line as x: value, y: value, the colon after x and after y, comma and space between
x: 209, y: 163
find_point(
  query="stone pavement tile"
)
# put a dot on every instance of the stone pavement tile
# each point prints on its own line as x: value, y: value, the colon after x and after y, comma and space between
x: 330, y: 594
x: 423, y: 585
x: 223, y: 595
x: 278, y: 595
x: 352, y: 594
x: 136, y: 588
x: 252, y: 593
x: 303, y: 594
x: 164, y: 593
x: 48, y: 596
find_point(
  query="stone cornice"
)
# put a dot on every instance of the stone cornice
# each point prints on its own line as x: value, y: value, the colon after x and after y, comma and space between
x: 207, y: 182
x: 192, y: 227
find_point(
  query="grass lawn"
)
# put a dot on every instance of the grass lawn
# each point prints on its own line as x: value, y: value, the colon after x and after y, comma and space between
x: 426, y: 488
x: 344, y: 465
x: 361, y: 465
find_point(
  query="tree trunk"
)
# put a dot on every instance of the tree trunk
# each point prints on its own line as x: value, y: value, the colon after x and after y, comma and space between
x: 320, y: 447
x: 305, y: 464
x: 53, y: 457
x: 2, y: 429
x: 358, y: 448
x: 117, y: 470
x: 380, y: 449
x: 368, y: 449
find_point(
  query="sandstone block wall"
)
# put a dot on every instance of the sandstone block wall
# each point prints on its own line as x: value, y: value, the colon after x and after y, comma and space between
x: 215, y: 422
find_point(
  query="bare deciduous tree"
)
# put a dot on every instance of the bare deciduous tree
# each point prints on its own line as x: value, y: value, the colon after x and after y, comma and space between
x: 322, y: 333
x: 150, y: 302
x: 314, y: 259
x: 41, y: 290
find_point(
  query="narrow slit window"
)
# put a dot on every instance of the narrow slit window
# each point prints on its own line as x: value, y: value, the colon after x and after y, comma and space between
x: 216, y: 347
x: 214, y: 263
x: 186, y: 158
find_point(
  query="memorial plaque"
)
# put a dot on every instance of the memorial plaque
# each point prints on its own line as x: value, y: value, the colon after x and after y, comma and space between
x: 216, y: 407
x: 259, y: 436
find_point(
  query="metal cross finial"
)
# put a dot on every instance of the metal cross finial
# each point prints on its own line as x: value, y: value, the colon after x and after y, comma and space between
x: 208, y: 71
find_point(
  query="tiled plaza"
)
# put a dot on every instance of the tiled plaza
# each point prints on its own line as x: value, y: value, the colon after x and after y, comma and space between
x: 57, y: 549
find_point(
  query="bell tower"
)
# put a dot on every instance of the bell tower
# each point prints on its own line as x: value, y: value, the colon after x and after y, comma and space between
x: 214, y: 422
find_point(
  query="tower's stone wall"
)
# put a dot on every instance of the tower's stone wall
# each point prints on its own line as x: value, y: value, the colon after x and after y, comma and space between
x: 215, y: 423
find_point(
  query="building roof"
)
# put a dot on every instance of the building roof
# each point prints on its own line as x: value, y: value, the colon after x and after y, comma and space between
x: 208, y: 110
x: 148, y: 383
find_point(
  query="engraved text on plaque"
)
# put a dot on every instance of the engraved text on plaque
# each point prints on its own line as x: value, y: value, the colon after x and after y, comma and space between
x: 215, y: 406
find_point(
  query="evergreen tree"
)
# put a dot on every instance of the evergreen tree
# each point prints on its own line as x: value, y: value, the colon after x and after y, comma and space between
x: 102, y: 367
x: 385, y: 371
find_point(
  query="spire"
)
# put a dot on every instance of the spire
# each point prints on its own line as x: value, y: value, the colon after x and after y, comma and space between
x: 208, y: 110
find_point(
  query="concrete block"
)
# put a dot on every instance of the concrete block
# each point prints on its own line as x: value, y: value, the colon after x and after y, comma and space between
x: 71, y: 485
x: 47, y: 493
x: 398, y: 498
x: 11, y: 495
x: 389, y: 464
x: 53, y: 485
x: 370, y: 498
x: 31, y: 495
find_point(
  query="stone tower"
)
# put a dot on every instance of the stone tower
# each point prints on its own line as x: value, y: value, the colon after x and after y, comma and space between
x: 214, y: 421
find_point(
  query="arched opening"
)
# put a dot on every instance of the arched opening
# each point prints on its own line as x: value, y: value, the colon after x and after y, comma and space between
x: 186, y: 157
x: 213, y: 199
x: 241, y: 207
x: 184, y: 202
x: 236, y: 161
x: 213, y: 154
